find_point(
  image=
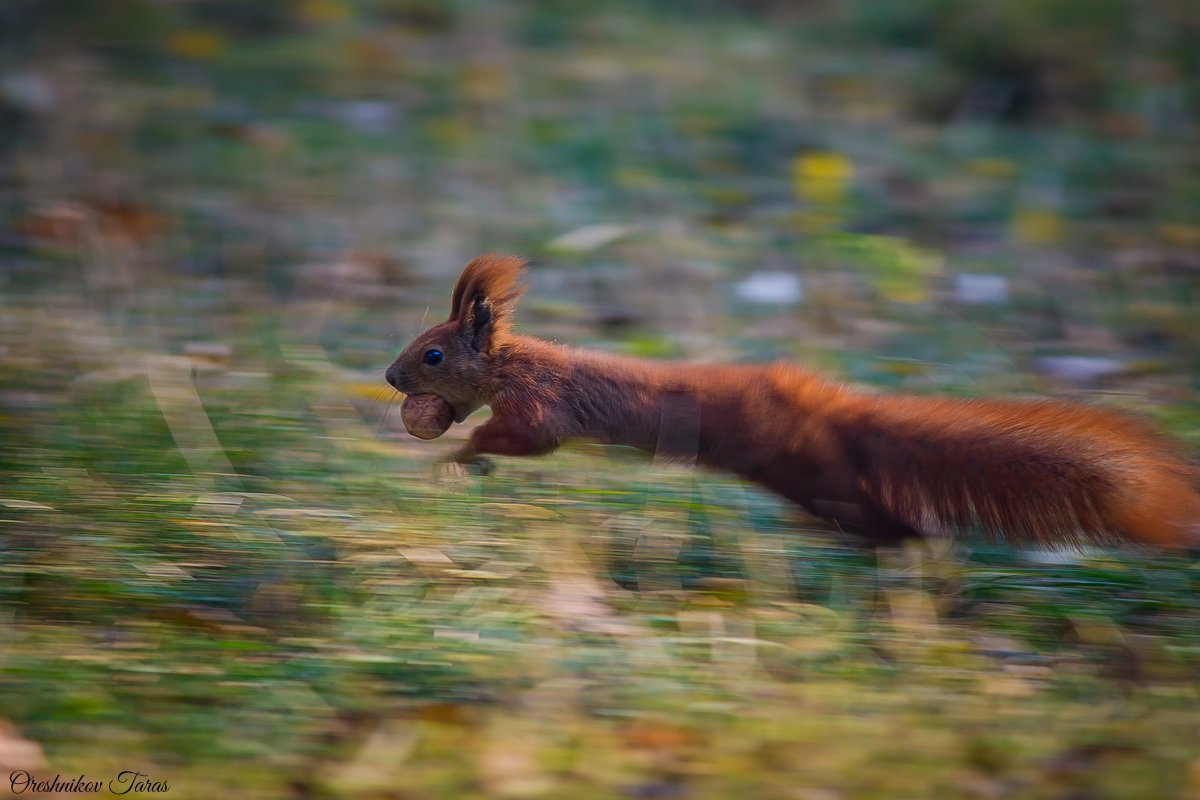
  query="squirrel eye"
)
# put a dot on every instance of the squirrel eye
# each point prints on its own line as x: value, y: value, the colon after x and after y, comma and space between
x: 433, y: 357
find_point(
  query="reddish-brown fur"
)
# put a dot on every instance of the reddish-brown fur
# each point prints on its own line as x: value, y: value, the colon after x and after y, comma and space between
x: 888, y: 467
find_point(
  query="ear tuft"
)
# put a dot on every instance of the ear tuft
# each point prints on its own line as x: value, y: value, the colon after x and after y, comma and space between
x: 492, y: 281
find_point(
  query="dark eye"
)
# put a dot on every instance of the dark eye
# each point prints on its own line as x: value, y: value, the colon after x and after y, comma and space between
x: 433, y: 357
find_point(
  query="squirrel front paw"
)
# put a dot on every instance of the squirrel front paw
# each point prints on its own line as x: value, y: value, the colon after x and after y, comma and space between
x: 453, y: 468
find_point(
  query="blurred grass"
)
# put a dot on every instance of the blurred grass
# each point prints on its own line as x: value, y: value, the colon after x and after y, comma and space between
x: 223, y: 563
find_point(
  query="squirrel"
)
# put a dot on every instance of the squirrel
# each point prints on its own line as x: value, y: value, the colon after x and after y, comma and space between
x: 885, y: 467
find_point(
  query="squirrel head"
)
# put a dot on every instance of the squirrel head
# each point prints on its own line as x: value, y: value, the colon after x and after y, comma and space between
x: 454, y: 359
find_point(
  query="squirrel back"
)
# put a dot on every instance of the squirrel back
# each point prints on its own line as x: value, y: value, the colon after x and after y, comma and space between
x: 888, y: 467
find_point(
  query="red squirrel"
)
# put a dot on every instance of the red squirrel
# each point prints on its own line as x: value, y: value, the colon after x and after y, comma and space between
x: 887, y: 467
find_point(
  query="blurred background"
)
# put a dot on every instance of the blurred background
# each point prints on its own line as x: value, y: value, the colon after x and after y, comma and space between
x: 225, y: 565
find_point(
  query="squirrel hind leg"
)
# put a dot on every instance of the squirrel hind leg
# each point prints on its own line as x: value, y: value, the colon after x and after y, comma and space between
x: 868, y: 521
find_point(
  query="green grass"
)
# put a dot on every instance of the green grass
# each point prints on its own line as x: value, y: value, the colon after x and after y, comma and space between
x: 332, y: 611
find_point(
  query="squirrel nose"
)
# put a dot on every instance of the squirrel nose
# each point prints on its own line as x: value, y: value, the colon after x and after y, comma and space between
x: 393, y: 377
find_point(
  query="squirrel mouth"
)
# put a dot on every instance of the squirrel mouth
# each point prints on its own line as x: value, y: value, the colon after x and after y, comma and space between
x: 463, y: 409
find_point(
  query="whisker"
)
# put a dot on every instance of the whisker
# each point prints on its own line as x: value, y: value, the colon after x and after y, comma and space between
x: 392, y: 398
x: 374, y: 402
x: 382, y: 419
x: 386, y: 410
x: 420, y: 327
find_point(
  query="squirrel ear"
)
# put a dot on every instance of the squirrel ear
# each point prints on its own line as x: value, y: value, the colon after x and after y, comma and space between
x: 485, y: 295
x: 479, y: 324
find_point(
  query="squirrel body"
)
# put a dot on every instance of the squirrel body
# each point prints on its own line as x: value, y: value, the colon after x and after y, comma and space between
x: 887, y: 467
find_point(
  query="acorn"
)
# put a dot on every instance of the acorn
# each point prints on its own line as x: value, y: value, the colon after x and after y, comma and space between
x: 426, y: 416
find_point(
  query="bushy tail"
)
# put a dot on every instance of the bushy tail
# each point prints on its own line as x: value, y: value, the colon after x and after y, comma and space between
x: 1043, y: 472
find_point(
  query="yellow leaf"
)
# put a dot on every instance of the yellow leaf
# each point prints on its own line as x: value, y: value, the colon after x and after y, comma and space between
x: 195, y: 44
x: 821, y: 177
x: 324, y: 12
x: 1037, y: 225
x: 993, y: 168
x: 1181, y: 235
